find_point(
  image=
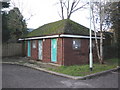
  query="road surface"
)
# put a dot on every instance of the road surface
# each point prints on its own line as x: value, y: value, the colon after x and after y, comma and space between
x: 15, y: 76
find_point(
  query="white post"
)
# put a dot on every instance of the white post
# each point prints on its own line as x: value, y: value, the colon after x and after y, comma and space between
x: 90, y: 54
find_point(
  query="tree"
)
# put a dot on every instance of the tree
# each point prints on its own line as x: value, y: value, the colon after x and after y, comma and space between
x: 108, y: 15
x: 5, y: 30
x: 70, y: 7
x: 16, y: 24
x: 115, y: 19
x: 101, y: 23
x: 5, y: 4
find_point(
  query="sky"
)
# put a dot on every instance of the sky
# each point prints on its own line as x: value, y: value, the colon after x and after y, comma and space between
x: 46, y: 11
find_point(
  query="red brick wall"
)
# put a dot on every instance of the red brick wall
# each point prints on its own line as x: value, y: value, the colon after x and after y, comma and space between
x: 34, y: 51
x: 72, y: 57
x: 47, y: 50
x: 26, y: 47
x: 60, y: 51
x: 65, y: 53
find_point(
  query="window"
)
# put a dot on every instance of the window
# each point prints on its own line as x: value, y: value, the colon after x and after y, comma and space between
x: 34, y: 44
x: 76, y: 44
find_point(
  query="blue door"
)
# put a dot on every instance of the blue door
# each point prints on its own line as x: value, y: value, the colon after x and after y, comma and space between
x: 40, y: 49
x: 54, y: 50
x: 29, y: 49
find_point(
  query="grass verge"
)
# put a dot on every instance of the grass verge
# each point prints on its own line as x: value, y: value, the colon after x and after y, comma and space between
x: 82, y: 70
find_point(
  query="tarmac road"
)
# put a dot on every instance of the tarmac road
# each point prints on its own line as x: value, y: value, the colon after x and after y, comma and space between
x: 15, y: 76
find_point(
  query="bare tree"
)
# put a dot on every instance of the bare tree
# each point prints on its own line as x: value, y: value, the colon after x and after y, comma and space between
x: 19, y: 4
x: 70, y: 7
x: 100, y: 15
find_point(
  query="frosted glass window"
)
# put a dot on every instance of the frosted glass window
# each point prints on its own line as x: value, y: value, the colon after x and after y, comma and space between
x: 34, y: 44
x: 76, y: 44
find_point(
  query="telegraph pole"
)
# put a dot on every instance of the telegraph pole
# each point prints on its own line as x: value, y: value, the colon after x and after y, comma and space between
x: 90, y: 53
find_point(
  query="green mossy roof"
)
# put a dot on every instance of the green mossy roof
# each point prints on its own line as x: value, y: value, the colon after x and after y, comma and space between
x: 60, y: 27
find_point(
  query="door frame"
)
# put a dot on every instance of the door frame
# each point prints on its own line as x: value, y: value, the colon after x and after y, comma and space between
x: 29, y: 49
x: 40, y: 42
x: 54, y: 50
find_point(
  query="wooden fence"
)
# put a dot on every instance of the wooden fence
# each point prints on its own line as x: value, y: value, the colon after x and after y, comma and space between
x: 12, y: 49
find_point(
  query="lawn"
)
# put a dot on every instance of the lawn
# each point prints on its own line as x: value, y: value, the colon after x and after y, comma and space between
x: 82, y: 70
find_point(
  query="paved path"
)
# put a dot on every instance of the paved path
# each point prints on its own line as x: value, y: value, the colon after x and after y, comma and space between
x: 15, y: 76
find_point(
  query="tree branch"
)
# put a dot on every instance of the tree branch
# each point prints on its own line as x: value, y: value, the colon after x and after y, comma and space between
x: 79, y: 8
x: 76, y: 3
x: 62, y: 7
x: 71, y: 10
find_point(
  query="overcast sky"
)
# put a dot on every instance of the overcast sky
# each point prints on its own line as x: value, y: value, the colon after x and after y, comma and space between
x: 46, y: 11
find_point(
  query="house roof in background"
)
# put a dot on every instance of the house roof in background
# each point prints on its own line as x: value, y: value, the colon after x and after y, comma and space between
x: 60, y: 27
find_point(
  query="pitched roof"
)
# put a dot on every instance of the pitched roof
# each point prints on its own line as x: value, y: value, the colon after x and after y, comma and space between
x: 60, y: 27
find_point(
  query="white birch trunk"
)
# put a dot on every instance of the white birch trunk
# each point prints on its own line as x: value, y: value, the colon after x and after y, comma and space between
x: 96, y: 41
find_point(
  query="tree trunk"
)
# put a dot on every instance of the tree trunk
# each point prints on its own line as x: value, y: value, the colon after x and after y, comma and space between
x: 96, y: 41
x: 62, y: 11
x: 101, y: 45
x: 101, y: 35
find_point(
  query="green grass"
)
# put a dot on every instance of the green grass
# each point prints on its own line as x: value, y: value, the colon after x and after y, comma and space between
x: 82, y: 70
x: 114, y: 61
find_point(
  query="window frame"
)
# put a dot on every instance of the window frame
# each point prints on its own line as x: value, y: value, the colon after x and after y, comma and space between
x: 76, y: 44
x: 34, y: 44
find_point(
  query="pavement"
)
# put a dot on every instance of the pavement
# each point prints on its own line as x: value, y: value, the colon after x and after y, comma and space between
x: 24, y: 61
x: 17, y: 76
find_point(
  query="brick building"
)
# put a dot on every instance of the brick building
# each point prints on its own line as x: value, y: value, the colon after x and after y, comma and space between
x: 64, y: 42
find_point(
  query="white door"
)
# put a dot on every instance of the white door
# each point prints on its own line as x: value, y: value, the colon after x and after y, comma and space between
x: 40, y: 49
